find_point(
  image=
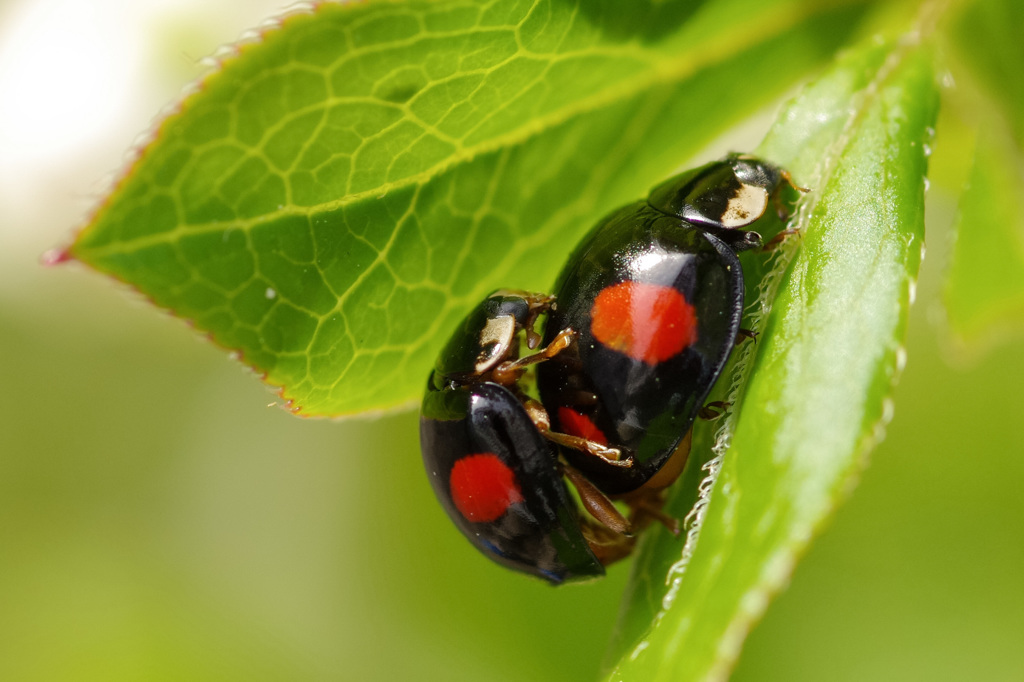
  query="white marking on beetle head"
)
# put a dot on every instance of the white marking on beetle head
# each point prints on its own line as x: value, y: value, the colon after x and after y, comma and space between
x: 746, y: 206
x: 495, y: 339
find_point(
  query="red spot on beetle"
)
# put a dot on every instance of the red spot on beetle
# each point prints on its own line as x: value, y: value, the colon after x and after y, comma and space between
x: 483, y: 487
x: 647, y: 322
x: 576, y: 424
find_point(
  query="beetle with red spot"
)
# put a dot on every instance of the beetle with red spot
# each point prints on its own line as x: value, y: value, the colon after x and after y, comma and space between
x: 655, y: 293
x: 492, y: 467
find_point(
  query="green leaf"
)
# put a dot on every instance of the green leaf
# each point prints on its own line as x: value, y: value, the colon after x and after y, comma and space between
x: 984, y: 292
x: 832, y: 310
x: 986, y: 36
x: 330, y: 202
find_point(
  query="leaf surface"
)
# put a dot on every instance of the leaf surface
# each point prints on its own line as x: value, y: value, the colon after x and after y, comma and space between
x: 832, y: 309
x: 984, y: 291
x: 995, y: 60
x: 332, y: 200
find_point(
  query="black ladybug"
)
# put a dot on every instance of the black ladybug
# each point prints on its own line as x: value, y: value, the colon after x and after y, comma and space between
x: 493, y: 462
x: 655, y: 293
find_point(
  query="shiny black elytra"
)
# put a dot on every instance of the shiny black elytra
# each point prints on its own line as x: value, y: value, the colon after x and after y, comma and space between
x: 527, y: 522
x: 655, y: 293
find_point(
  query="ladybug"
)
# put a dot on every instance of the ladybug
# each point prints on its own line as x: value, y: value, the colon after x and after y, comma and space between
x: 655, y: 293
x: 648, y: 310
x: 490, y: 457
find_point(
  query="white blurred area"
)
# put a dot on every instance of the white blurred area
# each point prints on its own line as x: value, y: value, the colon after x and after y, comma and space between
x: 79, y: 81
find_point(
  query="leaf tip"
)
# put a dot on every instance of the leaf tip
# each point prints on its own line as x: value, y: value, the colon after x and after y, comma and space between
x: 54, y: 257
x: 213, y: 66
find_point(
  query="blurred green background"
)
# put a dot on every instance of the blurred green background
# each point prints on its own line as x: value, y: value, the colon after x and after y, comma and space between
x: 159, y: 521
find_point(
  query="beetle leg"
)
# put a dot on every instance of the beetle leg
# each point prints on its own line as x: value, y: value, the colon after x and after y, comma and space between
x: 713, y: 410
x: 648, y: 506
x: 606, y: 454
x: 780, y: 208
x: 532, y: 337
x: 597, y: 503
x: 744, y: 335
x: 508, y: 372
x: 562, y: 340
x: 789, y: 181
x: 542, y: 421
x: 538, y: 304
x: 606, y: 545
x: 776, y: 241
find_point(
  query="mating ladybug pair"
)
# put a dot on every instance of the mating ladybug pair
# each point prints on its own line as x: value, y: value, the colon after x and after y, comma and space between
x: 645, y: 315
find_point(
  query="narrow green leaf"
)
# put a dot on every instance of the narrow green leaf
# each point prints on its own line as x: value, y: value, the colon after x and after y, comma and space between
x: 334, y: 198
x: 986, y: 36
x: 984, y: 293
x: 819, y: 376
